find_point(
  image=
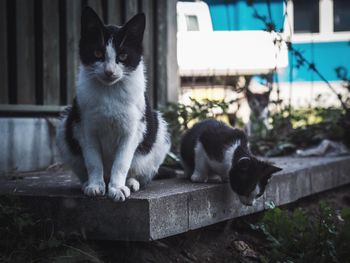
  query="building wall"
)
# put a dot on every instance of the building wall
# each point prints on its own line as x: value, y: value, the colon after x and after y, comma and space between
x: 238, y: 15
x: 326, y: 55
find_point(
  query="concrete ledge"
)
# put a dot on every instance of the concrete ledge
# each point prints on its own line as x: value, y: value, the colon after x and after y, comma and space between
x: 167, y: 207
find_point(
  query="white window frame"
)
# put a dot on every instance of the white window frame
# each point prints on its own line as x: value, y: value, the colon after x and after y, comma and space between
x: 326, y: 26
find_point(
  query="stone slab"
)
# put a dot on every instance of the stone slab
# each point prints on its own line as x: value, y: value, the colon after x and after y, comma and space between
x: 166, y: 207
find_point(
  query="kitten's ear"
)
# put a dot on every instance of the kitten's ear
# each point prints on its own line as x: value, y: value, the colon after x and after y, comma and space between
x: 267, y: 94
x: 134, y: 29
x: 270, y: 169
x: 90, y: 22
x: 244, y: 163
x: 248, y: 93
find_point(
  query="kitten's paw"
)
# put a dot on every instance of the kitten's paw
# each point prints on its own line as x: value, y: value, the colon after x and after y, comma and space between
x: 133, y: 184
x: 197, y: 178
x: 225, y: 179
x: 94, y: 189
x: 119, y: 193
x: 215, y: 179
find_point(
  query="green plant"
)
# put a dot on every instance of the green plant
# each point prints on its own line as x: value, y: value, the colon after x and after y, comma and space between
x: 343, y: 244
x: 181, y: 117
x: 344, y: 120
x: 290, y: 128
x: 298, y: 128
x: 299, y: 237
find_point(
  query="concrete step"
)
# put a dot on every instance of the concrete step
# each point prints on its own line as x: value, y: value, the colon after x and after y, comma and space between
x: 167, y: 207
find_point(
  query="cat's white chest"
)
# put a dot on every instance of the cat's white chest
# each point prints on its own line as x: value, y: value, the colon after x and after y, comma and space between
x: 220, y: 168
x: 109, y: 106
x: 110, y: 116
x: 113, y: 121
x: 115, y: 115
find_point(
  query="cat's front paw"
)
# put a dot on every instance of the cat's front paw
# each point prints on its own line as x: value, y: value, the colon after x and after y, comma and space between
x: 94, y: 189
x: 198, y: 178
x: 118, y: 193
x: 215, y: 179
x: 133, y: 184
x: 225, y: 179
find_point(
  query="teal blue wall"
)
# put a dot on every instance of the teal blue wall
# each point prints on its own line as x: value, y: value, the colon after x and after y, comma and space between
x: 325, y: 55
x: 238, y: 15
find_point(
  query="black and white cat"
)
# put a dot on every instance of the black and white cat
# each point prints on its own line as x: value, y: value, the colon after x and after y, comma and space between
x: 111, y: 133
x: 211, y: 151
x: 259, y: 115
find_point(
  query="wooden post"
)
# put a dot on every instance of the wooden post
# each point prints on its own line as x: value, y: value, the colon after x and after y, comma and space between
x: 25, y: 52
x: 114, y: 12
x: 3, y: 53
x: 149, y: 50
x: 73, y: 13
x: 130, y: 9
x: 167, y: 79
x: 36, y: 67
x: 96, y: 5
x: 51, y: 73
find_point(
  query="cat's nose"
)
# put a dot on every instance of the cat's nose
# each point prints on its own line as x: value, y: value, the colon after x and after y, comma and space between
x: 109, y: 73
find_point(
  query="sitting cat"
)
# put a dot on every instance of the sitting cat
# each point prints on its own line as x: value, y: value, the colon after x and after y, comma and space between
x: 211, y: 151
x: 258, y: 119
x: 111, y: 133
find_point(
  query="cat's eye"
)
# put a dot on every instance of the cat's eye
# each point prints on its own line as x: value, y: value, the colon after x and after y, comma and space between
x: 98, y: 54
x: 123, y: 56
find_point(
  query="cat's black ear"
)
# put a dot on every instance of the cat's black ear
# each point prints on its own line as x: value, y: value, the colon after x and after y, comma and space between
x: 248, y: 93
x: 267, y: 94
x: 134, y: 29
x: 270, y: 169
x: 244, y: 163
x: 90, y: 23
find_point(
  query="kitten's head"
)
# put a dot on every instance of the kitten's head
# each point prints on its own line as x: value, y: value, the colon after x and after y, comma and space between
x: 108, y: 52
x: 257, y: 102
x: 249, y: 176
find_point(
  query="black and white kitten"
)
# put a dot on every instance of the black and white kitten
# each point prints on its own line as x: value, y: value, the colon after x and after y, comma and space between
x: 111, y: 133
x: 259, y: 115
x: 211, y: 151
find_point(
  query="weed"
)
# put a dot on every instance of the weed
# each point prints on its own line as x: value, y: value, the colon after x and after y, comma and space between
x: 293, y: 129
x: 298, y: 237
x: 26, y: 239
x: 181, y: 117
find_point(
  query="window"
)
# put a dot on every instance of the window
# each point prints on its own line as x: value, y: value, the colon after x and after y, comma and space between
x: 192, y: 23
x: 341, y: 14
x: 306, y: 16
